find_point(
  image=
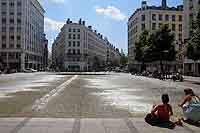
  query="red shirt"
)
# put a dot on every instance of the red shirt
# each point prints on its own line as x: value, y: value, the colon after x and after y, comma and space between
x: 163, y: 111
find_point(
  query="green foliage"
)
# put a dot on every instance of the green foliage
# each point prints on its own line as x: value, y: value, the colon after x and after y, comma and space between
x: 123, y: 60
x: 141, y: 47
x: 162, y: 45
x: 193, y: 45
x: 158, y: 46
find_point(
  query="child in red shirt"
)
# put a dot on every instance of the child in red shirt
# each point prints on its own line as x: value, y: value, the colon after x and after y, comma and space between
x: 160, y: 114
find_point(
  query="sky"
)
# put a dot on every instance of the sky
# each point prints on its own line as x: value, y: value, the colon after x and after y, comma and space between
x: 108, y: 17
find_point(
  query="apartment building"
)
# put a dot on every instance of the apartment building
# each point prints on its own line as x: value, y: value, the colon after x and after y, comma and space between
x: 151, y: 18
x: 21, y: 34
x: 190, y: 10
x: 80, y: 48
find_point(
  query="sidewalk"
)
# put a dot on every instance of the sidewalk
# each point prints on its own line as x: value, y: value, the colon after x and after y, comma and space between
x: 61, y: 125
x: 192, y: 79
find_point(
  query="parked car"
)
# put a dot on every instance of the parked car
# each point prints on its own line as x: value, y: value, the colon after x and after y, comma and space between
x: 178, y: 77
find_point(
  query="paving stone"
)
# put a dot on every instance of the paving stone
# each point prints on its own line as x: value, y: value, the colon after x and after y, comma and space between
x: 48, y: 126
x: 8, y: 124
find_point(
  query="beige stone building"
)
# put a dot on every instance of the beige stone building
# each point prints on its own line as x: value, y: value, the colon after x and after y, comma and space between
x: 21, y: 34
x: 151, y: 18
x: 190, y: 10
x: 80, y: 48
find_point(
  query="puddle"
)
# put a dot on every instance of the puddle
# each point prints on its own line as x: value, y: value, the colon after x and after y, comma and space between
x: 13, y: 83
x: 119, y: 95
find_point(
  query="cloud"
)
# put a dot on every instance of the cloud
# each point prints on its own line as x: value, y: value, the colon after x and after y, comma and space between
x: 112, y: 12
x: 57, y: 1
x: 52, y: 25
x: 54, y: 1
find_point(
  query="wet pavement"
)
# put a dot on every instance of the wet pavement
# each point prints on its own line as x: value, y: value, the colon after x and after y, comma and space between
x: 115, y: 95
x: 100, y: 103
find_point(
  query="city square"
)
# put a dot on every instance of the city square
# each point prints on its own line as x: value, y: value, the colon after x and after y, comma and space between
x: 104, y: 66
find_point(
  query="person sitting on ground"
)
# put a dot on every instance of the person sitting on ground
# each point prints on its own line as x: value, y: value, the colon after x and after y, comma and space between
x: 160, y: 114
x: 191, y: 107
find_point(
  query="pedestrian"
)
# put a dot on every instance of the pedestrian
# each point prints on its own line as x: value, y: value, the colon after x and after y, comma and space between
x: 160, y: 114
x: 191, y: 107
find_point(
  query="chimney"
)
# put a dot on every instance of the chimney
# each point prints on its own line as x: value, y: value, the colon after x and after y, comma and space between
x: 80, y: 21
x: 144, y: 4
x: 83, y: 23
x: 68, y: 20
x: 164, y: 3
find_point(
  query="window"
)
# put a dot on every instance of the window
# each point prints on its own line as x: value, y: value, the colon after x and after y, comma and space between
x: 69, y: 44
x: 74, y: 30
x: 19, y: 21
x: 12, y: 29
x: 70, y: 30
x: 74, y: 51
x: 12, y: 37
x: 167, y: 25
x: 69, y: 36
x: 160, y: 17
x: 143, y: 26
x: 3, y: 45
x: 3, y: 29
x: 12, y: 4
x: 154, y: 17
x: 166, y: 17
x: 3, y: 3
x: 78, y: 30
x: 69, y: 51
x: 12, y: 21
x: 180, y: 18
x: 78, y: 44
x: 153, y: 26
x: 143, y: 17
x: 78, y: 51
x: 180, y: 28
x: 74, y: 36
x: 160, y: 25
x: 18, y: 38
x: 173, y: 27
x: 173, y: 18
x: 19, y: 13
x: 11, y: 45
x: 3, y: 13
x: 3, y: 38
x: 19, y: 3
x: 11, y: 13
x: 74, y: 44
x: 3, y: 20
x: 18, y: 46
x: 180, y: 38
x: 78, y: 36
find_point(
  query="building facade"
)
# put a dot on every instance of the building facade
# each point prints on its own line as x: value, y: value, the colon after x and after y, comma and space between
x: 80, y: 48
x: 151, y: 18
x: 190, y: 10
x: 21, y: 34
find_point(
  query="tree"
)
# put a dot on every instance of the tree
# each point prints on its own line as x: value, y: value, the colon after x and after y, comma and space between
x: 141, y: 48
x: 123, y: 60
x: 162, y: 47
x: 193, y: 45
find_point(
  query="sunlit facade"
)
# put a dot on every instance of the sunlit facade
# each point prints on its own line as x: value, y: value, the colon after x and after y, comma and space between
x: 151, y: 18
x: 80, y: 48
x: 21, y: 34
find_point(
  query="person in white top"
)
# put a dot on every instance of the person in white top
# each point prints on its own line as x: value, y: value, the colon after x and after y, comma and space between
x: 191, y: 106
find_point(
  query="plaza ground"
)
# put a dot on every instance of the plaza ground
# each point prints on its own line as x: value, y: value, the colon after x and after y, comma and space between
x: 107, y: 102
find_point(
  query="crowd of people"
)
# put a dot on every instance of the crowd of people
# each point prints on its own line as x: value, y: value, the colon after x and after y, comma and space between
x: 161, y: 113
